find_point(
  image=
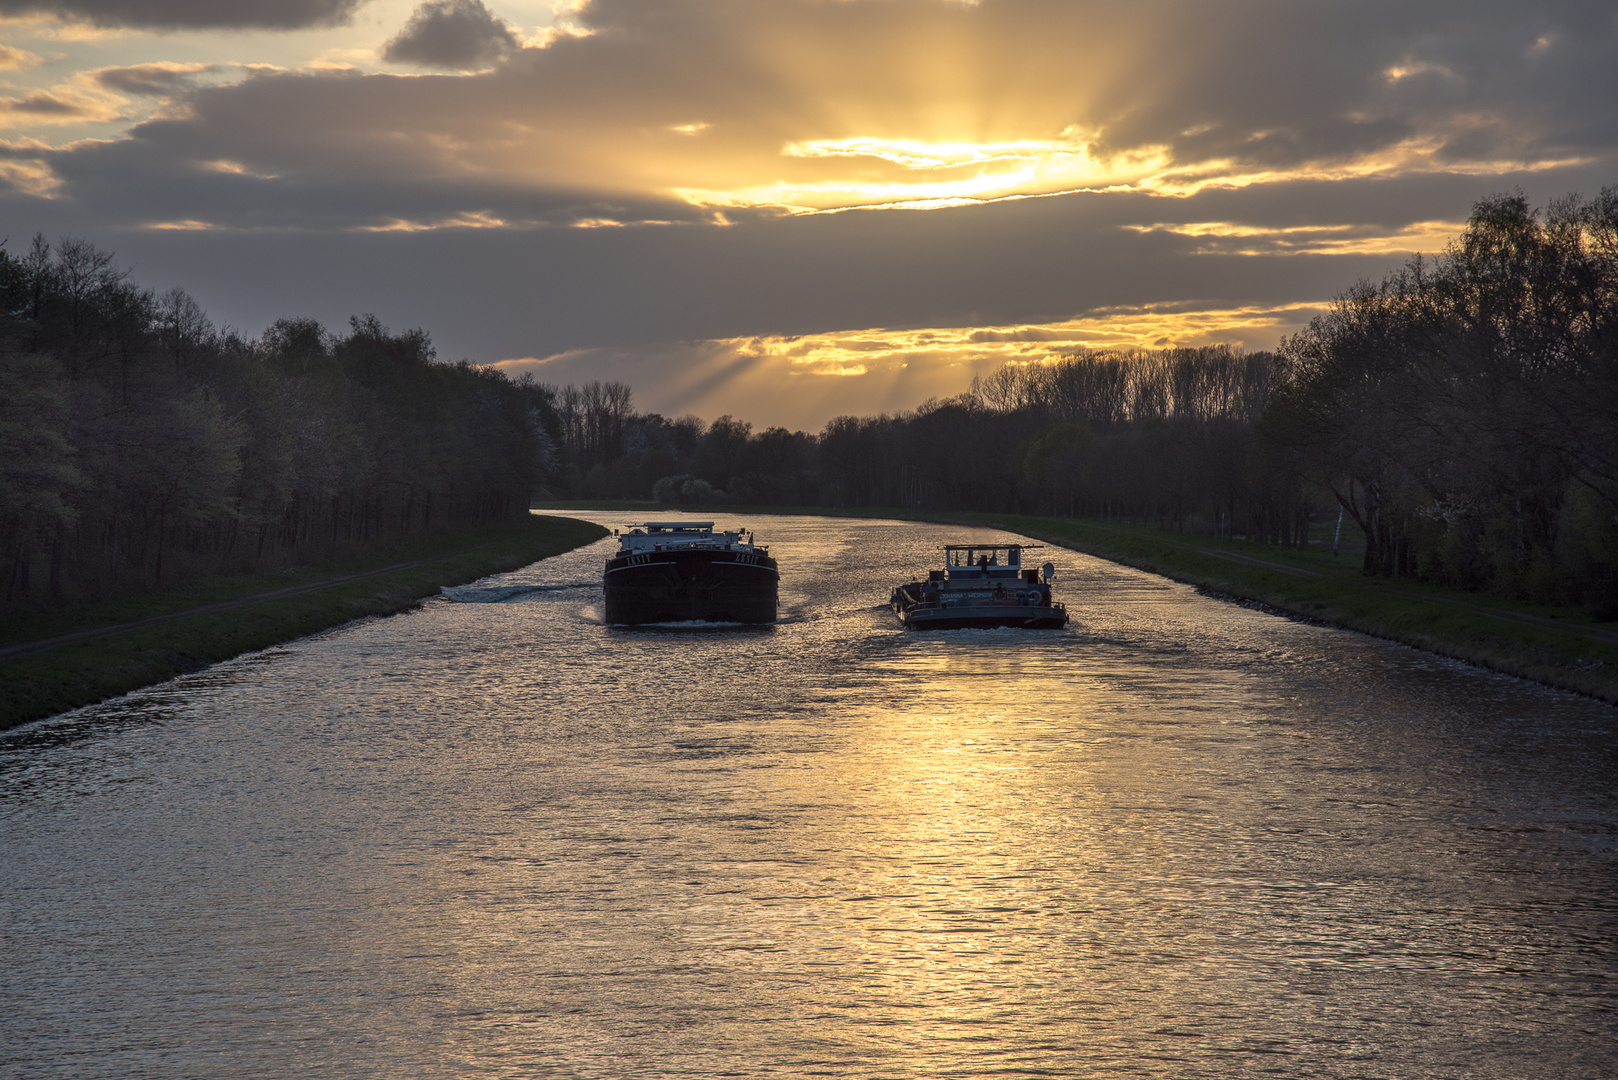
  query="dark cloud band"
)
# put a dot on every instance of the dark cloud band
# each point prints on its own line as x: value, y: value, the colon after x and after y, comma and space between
x: 684, y: 103
x: 191, y: 14
x: 151, y: 80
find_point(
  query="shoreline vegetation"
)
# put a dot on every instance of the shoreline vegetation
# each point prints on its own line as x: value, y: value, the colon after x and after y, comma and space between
x: 1560, y: 647
x: 140, y: 641
x: 137, y: 641
x: 1460, y: 417
x: 207, y: 495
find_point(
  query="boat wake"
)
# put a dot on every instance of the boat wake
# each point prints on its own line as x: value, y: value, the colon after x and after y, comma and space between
x: 499, y: 594
x: 691, y: 626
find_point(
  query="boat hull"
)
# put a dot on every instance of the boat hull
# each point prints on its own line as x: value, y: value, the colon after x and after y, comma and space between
x: 973, y: 611
x: 691, y: 586
x: 968, y: 618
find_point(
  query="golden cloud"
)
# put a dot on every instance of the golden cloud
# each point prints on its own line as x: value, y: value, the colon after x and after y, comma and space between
x: 57, y: 28
x: 1230, y: 238
x: 913, y: 175
x: 805, y: 107
x: 183, y: 225
x: 801, y: 381
x: 1151, y: 326
x: 465, y: 220
x: 26, y: 174
x: 14, y: 59
x: 76, y: 102
x: 910, y: 174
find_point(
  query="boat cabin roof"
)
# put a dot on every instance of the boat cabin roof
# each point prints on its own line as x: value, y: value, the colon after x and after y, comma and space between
x: 990, y: 547
x: 682, y: 535
x: 983, y: 560
x: 984, y: 554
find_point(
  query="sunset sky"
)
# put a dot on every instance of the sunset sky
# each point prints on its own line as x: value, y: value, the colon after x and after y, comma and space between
x: 788, y: 209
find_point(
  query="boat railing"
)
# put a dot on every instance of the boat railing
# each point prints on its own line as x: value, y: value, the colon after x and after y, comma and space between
x: 972, y: 600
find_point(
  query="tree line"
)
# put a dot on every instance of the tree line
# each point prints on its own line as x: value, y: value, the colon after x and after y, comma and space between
x: 1462, y: 413
x: 1162, y: 436
x: 1464, y: 409
x: 141, y: 445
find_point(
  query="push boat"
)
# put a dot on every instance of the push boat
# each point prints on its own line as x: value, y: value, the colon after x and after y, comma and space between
x: 981, y: 585
x: 683, y: 571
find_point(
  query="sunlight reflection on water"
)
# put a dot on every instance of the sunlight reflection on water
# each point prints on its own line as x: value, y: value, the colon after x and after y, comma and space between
x: 496, y: 838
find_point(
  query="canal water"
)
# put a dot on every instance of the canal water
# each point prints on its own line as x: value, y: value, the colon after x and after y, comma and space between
x: 495, y: 838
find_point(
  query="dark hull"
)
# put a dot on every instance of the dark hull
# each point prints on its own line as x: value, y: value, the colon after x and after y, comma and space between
x: 691, y: 586
x: 969, y: 612
x: 1049, y: 618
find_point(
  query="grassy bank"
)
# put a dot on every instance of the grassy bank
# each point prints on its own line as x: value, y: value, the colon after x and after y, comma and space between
x: 140, y: 640
x: 1559, y: 647
x: 1556, y: 646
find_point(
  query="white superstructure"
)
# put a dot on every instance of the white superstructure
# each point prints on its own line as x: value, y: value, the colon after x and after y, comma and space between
x: 682, y: 536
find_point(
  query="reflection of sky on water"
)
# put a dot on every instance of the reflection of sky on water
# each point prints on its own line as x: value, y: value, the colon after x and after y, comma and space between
x: 497, y: 838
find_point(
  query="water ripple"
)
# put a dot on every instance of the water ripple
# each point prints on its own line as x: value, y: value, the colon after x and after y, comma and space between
x: 495, y: 838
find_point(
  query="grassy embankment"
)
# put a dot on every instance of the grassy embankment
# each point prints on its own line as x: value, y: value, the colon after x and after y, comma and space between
x: 138, y: 640
x: 1559, y: 647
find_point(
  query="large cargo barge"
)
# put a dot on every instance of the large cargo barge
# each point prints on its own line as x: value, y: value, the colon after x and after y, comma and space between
x: 683, y: 571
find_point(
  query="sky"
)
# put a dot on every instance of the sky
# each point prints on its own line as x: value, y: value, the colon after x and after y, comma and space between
x: 788, y: 210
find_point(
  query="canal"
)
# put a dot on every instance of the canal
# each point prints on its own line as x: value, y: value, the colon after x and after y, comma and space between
x: 493, y: 837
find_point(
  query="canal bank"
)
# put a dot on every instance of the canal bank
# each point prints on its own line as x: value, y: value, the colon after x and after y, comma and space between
x: 54, y: 661
x: 1560, y: 647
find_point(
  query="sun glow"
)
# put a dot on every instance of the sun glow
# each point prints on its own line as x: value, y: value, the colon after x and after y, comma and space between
x: 912, y: 174
x: 1152, y: 326
x: 802, y: 381
x: 914, y: 154
x: 829, y: 175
